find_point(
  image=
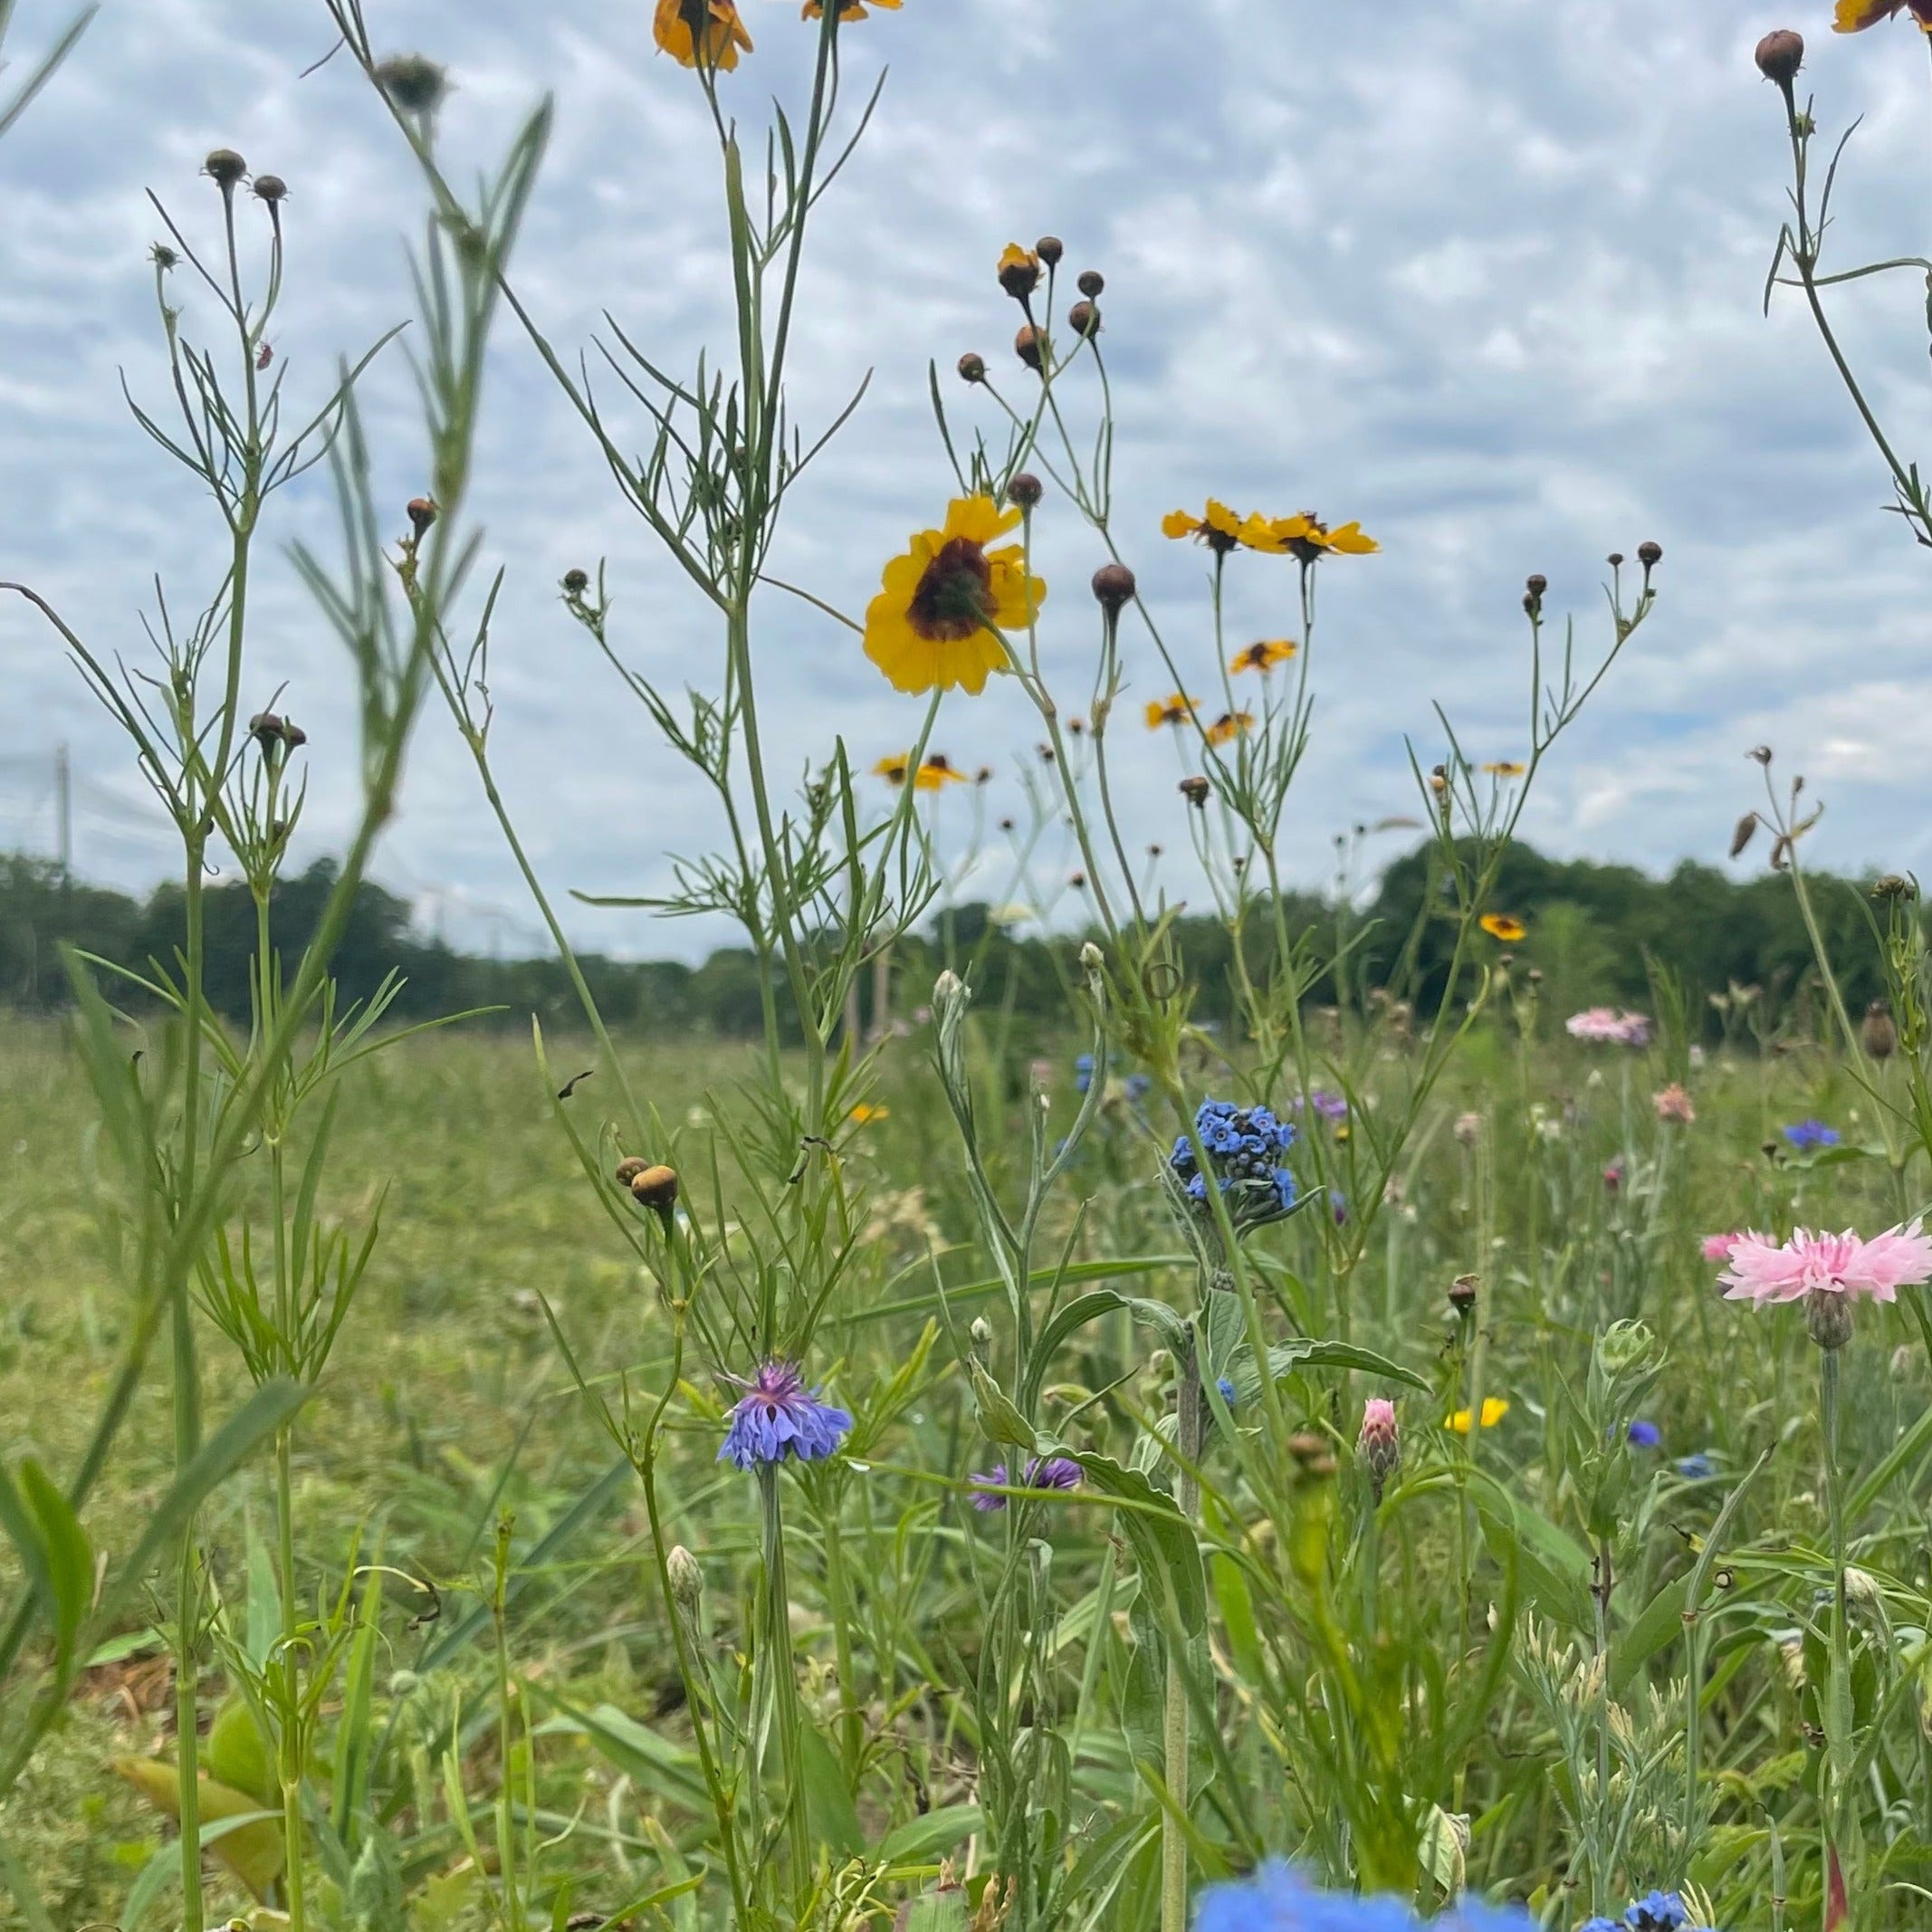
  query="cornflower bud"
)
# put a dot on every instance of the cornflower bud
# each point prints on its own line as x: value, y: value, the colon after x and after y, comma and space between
x: 687, y: 1581
x: 972, y: 367
x: 1878, y: 1036
x: 1649, y: 555
x: 1091, y: 281
x: 1380, y: 1443
x: 1027, y: 344
x: 1025, y: 490
x: 225, y: 168
x: 576, y: 582
x: 1462, y: 1294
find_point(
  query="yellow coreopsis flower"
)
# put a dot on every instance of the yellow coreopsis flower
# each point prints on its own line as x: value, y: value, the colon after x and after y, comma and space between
x: 864, y: 1115
x: 1502, y: 926
x: 1217, y: 526
x: 1495, y: 1408
x: 1306, y: 536
x: 1018, y: 271
x: 1229, y: 726
x: 935, y: 624
x: 1176, y: 710
x: 1264, y: 654
x: 1505, y: 768
x: 1855, y: 15
x: 935, y: 773
x: 701, y: 33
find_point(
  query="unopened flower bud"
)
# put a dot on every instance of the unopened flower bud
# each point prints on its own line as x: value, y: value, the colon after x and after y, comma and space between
x: 1020, y: 271
x: 1761, y: 753
x: 1049, y: 248
x: 629, y: 1168
x: 1091, y: 958
x: 1649, y: 555
x: 413, y: 81
x: 1195, y: 791
x: 1113, y: 588
x: 687, y: 1579
x: 271, y: 188
x: 1895, y: 885
x: 1083, y: 318
x: 422, y: 511
x: 1091, y: 281
x: 981, y: 1332
x: 1878, y: 1036
x: 225, y: 168
x: 1828, y: 1317
x: 1025, y: 490
x: 576, y: 582
x: 1536, y: 584
x: 265, y: 729
x: 972, y: 367
x: 1780, y: 54
x: 1380, y: 1443
x: 1462, y: 1294
x: 1743, y: 833
x: 947, y: 990
x: 654, y: 1186
x: 1027, y: 345
x: 1615, y: 559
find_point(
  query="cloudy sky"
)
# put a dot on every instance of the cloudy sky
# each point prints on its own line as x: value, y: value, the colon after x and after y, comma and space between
x: 1485, y: 274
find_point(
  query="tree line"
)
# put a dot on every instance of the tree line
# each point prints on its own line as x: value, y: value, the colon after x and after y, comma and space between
x: 1595, y: 934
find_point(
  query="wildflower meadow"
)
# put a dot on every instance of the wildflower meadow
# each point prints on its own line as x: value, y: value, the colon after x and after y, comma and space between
x: 1412, y: 1451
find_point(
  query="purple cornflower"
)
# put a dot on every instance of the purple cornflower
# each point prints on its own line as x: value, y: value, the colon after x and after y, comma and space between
x: 1645, y: 1435
x: 1055, y: 1472
x: 1806, y: 1134
x: 778, y: 1416
x: 1331, y: 1106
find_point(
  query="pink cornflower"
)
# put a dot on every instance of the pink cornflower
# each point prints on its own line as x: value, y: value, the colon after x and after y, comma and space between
x: 1828, y: 1272
x: 1609, y: 1027
x: 1673, y: 1104
x: 1718, y: 1247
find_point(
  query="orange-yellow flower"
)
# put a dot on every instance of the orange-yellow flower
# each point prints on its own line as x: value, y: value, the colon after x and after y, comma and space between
x: 1018, y: 271
x: 1855, y: 15
x: 1229, y: 726
x: 1495, y: 1408
x: 1505, y: 768
x: 1306, y: 536
x: 1176, y: 710
x: 1217, y: 526
x: 701, y: 33
x: 935, y: 624
x: 850, y: 10
x: 1264, y: 654
x: 1503, y: 926
x: 864, y: 1115
x: 935, y: 773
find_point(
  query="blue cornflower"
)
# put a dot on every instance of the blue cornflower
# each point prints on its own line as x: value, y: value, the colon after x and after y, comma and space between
x: 1645, y: 1435
x: 1227, y: 1389
x: 1805, y: 1135
x: 1274, y: 1898
x: 1697, y: 1468
x: 778, y: 1416
x: 1083, y: 1072
x: 1600, y: 1924
x: 1657, y: 1912
x: 1338, y: 1206
x: 1056, y: 1472
x: 1137, y: 1087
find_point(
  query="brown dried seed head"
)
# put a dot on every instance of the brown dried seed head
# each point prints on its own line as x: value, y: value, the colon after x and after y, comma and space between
x: 1028, y: 345
x: 1780, y: 54
x: 1025, y: 490
x: 1091, y: 281
x: 422, y: 513
x: 1049, y: 248
x: 576, y: 582
x: 629, y: 1168
x: 271, y: 188
x: 1462, y: 1293
x: 1113, y: 588
x: 1878, y: 1036
x: 1649, y: 554
x: 1744, y: 833
x: 1083, y: 318
x: 1195, y: 791
x: 225, y: 168
x: 654, y: 1186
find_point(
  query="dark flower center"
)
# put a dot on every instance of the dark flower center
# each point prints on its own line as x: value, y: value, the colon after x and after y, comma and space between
x: 954, y: 598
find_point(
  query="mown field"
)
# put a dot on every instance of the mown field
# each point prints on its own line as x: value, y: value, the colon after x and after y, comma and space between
x: 447, y: 1411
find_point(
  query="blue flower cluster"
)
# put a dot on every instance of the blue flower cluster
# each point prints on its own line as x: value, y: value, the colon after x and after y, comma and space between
x: 1275, y: 1899
x: 1246, y: 1149
x: 1657, y: 1912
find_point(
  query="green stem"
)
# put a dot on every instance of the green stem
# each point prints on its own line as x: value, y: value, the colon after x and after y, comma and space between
x: 1839, y: 1818
x: 1187, y: 1499
x: 780, y: 1683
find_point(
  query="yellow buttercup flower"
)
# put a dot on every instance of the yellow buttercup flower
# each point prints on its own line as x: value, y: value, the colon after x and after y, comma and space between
x: 701, y: 33
x: 935, y: 622
x: 1176, y: 710
x: 1217, y: 526
x: 1264, y: 654
x: 1495, y: 1408
x: 850, y: 10
x: 1505, y: 768
x: 1500, y: 925
x: 1018, y: 271
x: 1306, y: 536
x: 863, y: 1115
x: 1229, y: 726
x: 1855, y: 15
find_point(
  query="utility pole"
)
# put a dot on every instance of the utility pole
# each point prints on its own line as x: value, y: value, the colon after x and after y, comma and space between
x: 64, y: 811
